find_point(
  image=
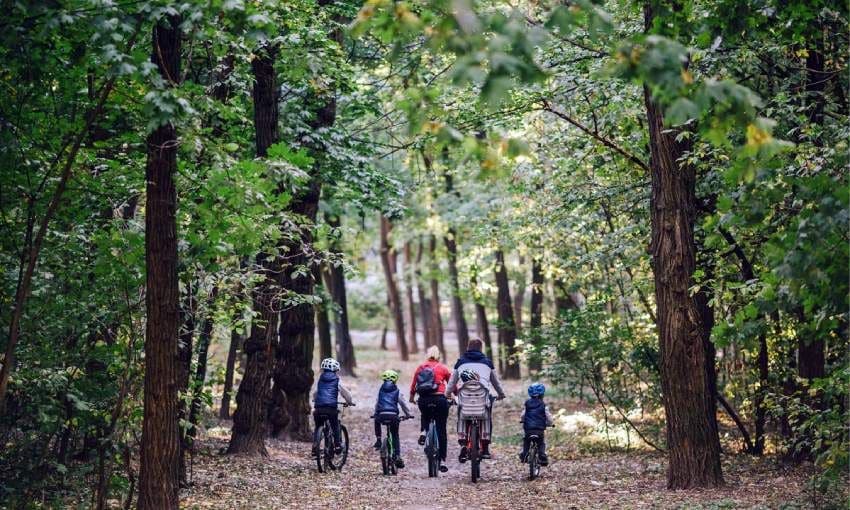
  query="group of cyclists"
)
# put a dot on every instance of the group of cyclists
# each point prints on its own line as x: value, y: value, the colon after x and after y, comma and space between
x: 436, y: 385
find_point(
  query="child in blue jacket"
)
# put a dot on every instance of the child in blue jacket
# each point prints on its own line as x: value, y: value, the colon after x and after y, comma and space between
x: 535, y: 418
x: 386, y: 411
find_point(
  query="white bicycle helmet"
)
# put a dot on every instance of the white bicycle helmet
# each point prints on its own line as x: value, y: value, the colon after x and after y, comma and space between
x: 330, y: 364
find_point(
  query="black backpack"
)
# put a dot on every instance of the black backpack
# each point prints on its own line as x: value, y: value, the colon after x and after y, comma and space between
x: 426, y: 383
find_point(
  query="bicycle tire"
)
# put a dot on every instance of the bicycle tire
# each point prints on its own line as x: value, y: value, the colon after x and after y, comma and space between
x: 318, y: 442
x: 385, y: 456
x: 343, y: 457
x: 474, y: 456
x: 533, y: 463
x: 432, y: 450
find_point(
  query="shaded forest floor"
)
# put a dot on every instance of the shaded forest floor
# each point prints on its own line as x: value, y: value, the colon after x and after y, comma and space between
x: 576, y: 477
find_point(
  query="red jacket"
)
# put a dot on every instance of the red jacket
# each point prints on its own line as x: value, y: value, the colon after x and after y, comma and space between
x: 442, y: 374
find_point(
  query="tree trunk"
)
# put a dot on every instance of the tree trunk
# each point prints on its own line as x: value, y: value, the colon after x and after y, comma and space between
x: 694, y: 455
x: 519, y: 295
x: 201, y: 368
x: 249, y: 421
x: 188, y: 311
x: 506, y: 328
x: 411, y: 307
x: 435, y: 319
x: 392, y: 288
x: 160, y: 447
x: 481, y: 318
x: 457, y: 304
x: 536, y: 310
x: 229, y: 373
x: 323, y: 325
x: 335, y: 277
x: 424, y: 304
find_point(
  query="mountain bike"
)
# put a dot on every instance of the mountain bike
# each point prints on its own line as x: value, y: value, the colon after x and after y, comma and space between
x: 473, y: 409
x: 473, y: 446
x: 389, y: 450
x: 432, y: 443
x: 323, y: 444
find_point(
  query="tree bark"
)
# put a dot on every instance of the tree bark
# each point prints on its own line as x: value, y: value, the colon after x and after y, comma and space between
x: 160, y: 447
x: 694, y: 454
x: 519, y: 295
x: 435, y: 319
x: 229, y: 373
x: 188, y: 310
x: 335, y: 277
x: 392, y: 288
x: 506, y: 328
x: 481, y: 318
x: 249, y: 421
x: 323, y: 325
x: 411, y: 307
x: 424, y: 304
x: 450, y: 241
x: 536, y: 310
x: 201, y: 368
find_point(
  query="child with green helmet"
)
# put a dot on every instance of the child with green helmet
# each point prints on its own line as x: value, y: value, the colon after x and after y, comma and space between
x: 386, y: 411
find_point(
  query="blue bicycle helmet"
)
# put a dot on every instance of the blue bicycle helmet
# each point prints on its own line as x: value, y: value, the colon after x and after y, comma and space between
x: 536, y: 390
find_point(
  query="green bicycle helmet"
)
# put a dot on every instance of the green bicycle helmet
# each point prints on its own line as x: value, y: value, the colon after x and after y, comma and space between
x: 389, y: 375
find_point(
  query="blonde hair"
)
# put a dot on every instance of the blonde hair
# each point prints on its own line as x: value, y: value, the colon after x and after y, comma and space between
x: 434, y: 353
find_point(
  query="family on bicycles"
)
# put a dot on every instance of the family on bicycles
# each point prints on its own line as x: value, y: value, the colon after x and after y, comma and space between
x: 475, y: 383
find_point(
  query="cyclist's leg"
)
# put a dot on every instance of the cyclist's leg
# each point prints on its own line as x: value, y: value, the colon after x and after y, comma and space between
x: 441, y: 417
x: 424, y: 414
x: 334, y: 419
x: 396, y: 441
x: 526, y: 442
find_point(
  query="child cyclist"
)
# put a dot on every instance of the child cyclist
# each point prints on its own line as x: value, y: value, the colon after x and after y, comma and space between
x: 328, y: 389
x: 386, y: 411
x: 535, y: 418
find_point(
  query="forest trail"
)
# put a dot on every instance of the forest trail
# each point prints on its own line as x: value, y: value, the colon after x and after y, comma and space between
x: 574, y: 479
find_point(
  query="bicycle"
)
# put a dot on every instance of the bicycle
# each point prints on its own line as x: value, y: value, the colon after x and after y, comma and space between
x: 432, y: 443
x: 473, y: 409
x: 388, y: 448
x: 532, y: 458
x: 323, y: 444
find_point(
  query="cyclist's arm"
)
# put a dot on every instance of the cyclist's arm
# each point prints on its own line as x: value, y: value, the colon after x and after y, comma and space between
x: 345, y: 394
x: 497, y: 385
x: 404, y: 407
x: 413, y: 382
x: 450, y: 386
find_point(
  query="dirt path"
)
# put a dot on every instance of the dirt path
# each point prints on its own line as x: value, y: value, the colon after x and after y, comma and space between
x: 288, y: 478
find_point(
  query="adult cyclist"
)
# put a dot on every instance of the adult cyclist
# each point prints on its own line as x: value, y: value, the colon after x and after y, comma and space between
x: 429, y: 381
x: 475, y: 363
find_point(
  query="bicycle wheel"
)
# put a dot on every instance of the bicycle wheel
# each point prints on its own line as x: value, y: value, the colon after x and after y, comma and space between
x: 533, y: 463
x: 320, y: 447
x: 474, y: 454
x: 385, y: 456
x: 432, y: 450
x: 338, y: 460
x: 328, y: 449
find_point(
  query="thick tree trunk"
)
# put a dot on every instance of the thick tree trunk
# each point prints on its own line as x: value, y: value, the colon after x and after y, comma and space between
x: 249, y: 421
x: 424, y: 303
x: 694, y: 455
x: 519, y: 295
x: 481, y: 318
x: 160, y: 447
x: 229, y: 373
x: 507, y: 329
x: 536, y: 310
x: 411, y: 307
x: 323, y: 325
x: 392, y: 288
x: 435, y: 319
x: 293, y: 374
x: 201, y: 368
